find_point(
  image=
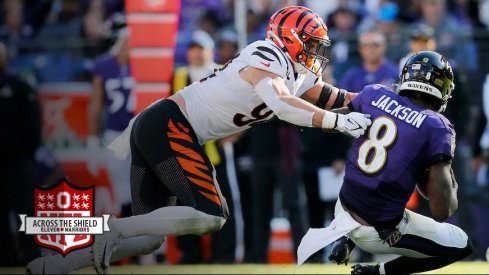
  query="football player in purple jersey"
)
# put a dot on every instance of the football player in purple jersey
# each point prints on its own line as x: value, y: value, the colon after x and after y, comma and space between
x: 409, y: 144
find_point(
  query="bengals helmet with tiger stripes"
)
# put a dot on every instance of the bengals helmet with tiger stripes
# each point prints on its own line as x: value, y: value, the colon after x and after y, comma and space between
x: 302, y: 34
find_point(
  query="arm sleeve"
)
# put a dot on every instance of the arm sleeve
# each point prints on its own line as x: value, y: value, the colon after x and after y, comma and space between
x: 284, y: 111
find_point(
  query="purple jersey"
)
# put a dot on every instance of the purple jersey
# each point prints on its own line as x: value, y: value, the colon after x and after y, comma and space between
x: 118, y: 98
x: 357, y: 78
x: 393, y: 155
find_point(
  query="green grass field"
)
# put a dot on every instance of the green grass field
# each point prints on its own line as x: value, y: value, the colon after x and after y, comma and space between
x: 458, y: 268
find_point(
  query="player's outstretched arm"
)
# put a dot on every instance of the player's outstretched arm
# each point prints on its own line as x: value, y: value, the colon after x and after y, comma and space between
x: 272, y: 90
x: 328, y: 97
x: 442, y: 190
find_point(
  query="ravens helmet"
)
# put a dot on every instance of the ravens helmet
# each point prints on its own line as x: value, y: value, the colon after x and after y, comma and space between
x: 430, y: 73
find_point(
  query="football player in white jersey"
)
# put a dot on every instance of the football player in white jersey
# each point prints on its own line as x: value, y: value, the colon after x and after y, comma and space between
x: 276, y: 76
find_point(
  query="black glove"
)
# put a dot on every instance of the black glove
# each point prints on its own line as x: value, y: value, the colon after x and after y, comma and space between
x: 341, y: 251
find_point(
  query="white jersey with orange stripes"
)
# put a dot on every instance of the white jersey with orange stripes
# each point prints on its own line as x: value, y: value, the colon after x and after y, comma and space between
x: 223, y: 103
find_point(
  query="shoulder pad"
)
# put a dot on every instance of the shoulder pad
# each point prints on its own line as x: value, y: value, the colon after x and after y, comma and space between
x: 376, y: 87
x: 445, y: 122
x: 267, y: 57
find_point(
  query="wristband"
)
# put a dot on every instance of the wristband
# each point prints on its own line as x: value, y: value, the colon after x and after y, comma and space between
x: 330, y: 120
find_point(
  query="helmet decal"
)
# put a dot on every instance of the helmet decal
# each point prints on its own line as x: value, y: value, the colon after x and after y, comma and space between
x: 430, y: 73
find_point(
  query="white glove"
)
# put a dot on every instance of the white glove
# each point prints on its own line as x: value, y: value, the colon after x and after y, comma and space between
x: 353, y: 124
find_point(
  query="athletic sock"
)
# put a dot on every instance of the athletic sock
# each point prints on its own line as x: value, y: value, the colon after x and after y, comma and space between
x: 129, y: 247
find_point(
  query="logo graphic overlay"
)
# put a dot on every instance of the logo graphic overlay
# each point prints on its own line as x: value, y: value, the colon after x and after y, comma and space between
x: 64, y: 218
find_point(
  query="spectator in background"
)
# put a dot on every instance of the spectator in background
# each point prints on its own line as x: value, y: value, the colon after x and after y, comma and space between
x: 409, y: 10
x: 111, y: 108
x: 376, y: 68
x: 454, y: 40
x: 200, y: 59
x: 484, y: 13
x: 94, y: 28
x: 60, y: 41
x: 20, y: 121
x: 342, y: 24
x: 17, y: 35
x: 421, y: 38
x: 62, y: 31
x: 210, y: 23
x: 466, y: 12
x: 227, y: 46
x: 255, y: 27
x: 14, y: 32
x: 194, y: 13
x: 387, y: 21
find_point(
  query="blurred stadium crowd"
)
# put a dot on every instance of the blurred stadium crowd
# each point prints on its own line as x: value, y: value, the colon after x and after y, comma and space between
x: 280, y: 170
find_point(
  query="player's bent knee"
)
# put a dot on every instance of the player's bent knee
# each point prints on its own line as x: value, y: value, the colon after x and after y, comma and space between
x: 462, y: 252
x: 456, y: 235
x: 466, y: 251
x: 212, y: 224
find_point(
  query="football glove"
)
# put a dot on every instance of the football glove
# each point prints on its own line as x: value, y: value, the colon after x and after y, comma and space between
x: 341, y: 251
x: 353, y: 124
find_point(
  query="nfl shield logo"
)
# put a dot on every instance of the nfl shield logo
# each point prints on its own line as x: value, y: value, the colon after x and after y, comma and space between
x: 64, y: 200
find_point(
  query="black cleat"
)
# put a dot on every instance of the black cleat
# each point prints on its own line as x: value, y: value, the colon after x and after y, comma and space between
x: 359, y: 269
x: 341, y: 251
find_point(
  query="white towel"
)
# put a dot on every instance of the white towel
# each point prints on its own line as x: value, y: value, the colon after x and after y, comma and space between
x: 317, y: 238
x: 122, y: 145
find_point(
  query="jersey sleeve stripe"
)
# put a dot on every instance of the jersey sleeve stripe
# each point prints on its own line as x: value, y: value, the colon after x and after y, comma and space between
x: 272, y: 52
x: 287, y: 61
x: 263, y: 56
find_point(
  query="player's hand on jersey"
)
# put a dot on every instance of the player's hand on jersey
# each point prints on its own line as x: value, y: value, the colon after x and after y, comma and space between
x: 353, y: 124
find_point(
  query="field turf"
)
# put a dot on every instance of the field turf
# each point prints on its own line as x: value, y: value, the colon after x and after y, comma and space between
x: 457, y: 268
